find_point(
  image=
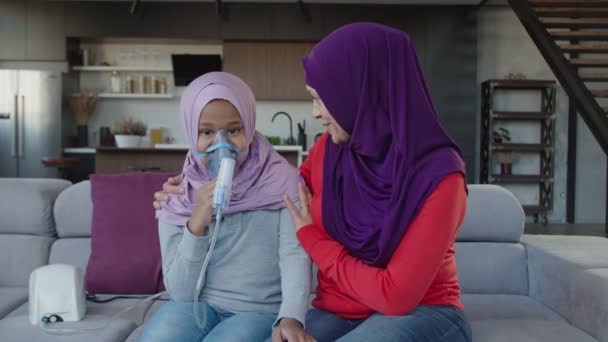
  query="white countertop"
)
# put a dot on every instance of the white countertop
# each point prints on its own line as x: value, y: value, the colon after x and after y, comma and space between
x: 79, y: 150
x: 280, y: 148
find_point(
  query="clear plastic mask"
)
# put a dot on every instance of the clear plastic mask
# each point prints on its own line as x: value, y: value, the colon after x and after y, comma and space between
x: 221, y: 148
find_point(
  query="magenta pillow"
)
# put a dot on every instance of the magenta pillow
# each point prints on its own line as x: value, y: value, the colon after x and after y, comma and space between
x: 125, y: 250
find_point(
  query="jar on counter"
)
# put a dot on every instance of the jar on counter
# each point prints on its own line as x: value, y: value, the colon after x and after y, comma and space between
x: 130, y: 85
x: 115, y: 82
x: 143, y: 84
x: 155, y: 85
x: 163, y: 86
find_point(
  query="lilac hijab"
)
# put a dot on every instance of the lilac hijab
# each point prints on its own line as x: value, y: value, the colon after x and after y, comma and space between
x: 369, y: 79
x: 263, y: 177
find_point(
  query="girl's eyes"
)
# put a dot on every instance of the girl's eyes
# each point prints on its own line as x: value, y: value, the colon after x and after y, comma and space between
x: 206, y: 132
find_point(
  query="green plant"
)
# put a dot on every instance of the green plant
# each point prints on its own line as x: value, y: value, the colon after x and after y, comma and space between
x: 500, y: 135
x: 274, y: 140
x: 129, y: 127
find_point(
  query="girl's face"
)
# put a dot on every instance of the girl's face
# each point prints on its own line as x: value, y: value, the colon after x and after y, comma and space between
x: 217, y: 115
x: 319, y: 112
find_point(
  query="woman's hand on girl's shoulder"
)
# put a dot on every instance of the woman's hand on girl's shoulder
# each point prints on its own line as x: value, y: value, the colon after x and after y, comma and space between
x: 301, y: 218
x: 290, y: 330
x: 170, y: 187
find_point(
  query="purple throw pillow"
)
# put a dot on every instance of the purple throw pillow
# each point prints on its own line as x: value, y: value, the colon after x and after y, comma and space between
x: 125, y: 250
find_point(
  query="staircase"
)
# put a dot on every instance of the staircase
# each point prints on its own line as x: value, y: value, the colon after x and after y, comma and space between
x: 572, y: 36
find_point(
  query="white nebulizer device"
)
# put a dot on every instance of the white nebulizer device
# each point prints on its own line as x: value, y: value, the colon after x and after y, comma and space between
x: 56, y: 294
x: 220, y: 159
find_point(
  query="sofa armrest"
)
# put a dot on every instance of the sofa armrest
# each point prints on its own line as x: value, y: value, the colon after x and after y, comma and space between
x: 569, y: 274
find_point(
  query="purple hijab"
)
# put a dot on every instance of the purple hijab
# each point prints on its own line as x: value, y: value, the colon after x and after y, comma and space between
x: 369, y: 79
x: 260, y: 181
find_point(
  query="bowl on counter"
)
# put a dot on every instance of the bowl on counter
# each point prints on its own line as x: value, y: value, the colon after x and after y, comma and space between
x: 126, y: 141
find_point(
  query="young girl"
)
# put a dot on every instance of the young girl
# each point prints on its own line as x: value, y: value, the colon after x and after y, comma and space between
x: 258, y: 276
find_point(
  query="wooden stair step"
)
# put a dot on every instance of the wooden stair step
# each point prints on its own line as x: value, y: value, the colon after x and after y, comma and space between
x: 575, y: 22
x: 584, y: 48
x: 571, y: 12
x: 595, y: 77
x: 605, y: 109
x: 599, y: 92
x: 586, y: 62
x: 568, y: 3
x: 579, y: 35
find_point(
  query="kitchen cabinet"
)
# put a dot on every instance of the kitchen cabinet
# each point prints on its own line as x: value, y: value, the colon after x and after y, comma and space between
x: 273, y: 70
x: 31, y: 31
x: 122, y: 160
x: 12, y: 30
x: 45, y: 32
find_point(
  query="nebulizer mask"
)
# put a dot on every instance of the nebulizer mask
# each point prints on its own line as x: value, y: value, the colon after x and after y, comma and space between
x: 220, y: 159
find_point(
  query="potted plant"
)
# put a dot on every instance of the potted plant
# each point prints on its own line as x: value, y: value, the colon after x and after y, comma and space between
x: 501, y: 135
x: 507, y: 158
x: 128, y: 132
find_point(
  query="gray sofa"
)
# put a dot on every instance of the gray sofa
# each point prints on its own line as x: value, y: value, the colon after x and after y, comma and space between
x: 516, y: 288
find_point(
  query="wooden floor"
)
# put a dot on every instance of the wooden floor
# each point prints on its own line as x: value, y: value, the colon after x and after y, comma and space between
x: 566, y: 229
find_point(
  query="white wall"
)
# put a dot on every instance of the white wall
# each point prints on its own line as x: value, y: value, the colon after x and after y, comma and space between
x: 504, y: 47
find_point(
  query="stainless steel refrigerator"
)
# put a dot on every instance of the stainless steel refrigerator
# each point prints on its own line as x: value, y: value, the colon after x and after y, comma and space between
x: 30, y: 122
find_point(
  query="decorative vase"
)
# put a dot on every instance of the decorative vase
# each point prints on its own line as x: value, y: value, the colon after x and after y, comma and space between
x: 82, y: 136
x: 505, y: 169
x: 127, y: 140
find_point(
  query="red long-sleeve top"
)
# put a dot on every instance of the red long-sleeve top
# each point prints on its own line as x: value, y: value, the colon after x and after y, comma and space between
x: 422, y: 270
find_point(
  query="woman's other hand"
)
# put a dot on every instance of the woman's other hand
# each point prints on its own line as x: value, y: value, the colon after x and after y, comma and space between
x: 300, y: 217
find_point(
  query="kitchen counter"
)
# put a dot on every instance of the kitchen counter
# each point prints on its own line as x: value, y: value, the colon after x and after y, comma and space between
x: 162, y: 158
x: 174, y: 147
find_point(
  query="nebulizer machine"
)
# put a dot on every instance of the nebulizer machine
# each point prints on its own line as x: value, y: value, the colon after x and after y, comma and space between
x: 220, y: 159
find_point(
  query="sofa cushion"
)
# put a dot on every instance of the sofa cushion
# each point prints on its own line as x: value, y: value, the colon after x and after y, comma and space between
x: 74, y: 211
x: 19, y: 329
x: 493, y: 215
x: 528, y: 330
x: 19, y: 256
x: 11, y: 298
x: 75, y: 251
x: 125, y: 250
x: 482, y: 307
x: 31, y: 205
x: 492, y: 268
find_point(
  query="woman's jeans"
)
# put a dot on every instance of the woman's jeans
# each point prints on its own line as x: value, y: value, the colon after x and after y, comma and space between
x: 425, y: 324
x: 174, y: 321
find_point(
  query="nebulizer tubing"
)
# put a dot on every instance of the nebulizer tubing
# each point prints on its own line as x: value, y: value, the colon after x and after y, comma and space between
x: 221, y: 198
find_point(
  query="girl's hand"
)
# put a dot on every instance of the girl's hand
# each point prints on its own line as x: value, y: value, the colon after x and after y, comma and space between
x: 202, y: 213
x: 290, y: 330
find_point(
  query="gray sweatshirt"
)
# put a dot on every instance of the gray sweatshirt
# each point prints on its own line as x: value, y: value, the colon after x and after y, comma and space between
x: 258, y: 265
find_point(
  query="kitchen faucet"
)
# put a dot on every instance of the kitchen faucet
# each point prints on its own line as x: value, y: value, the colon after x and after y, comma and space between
x: 290, y: 140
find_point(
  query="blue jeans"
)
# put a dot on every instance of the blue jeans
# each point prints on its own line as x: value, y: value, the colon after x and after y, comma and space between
x: 174, y: 321
x: 424, y: 324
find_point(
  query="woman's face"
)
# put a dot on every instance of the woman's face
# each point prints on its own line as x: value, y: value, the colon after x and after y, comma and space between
x: 319, y: 112
x: 217, y: 115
